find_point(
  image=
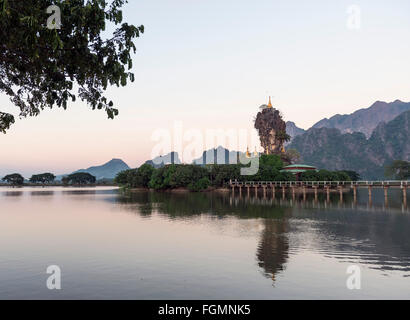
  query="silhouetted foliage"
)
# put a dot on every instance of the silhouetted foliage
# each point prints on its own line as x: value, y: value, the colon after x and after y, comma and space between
x: 80, y: 178
x: 42, y: 178
x: 40, y: 67
x: 15, y: 179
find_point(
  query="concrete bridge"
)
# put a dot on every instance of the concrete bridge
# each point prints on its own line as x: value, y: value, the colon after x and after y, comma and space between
x: 314, y: 186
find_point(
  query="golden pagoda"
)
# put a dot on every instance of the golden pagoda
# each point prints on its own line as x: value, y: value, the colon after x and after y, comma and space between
x: 248, y: 154
x: 270, y: 103
x: 256, y: 153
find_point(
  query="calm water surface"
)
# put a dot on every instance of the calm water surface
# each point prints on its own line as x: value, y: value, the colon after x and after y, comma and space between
x: 111, y: 245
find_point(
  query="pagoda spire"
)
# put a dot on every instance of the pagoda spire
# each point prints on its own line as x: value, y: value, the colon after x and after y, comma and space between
x: 270, y: 103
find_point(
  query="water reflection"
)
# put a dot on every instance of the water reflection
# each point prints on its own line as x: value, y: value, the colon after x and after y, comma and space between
x: 348, y: 231
x: 183, y: 235
x: 273, y: 249
x: 13, y: 193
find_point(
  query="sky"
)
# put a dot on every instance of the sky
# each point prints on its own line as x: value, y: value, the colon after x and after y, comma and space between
x: 209, y: 64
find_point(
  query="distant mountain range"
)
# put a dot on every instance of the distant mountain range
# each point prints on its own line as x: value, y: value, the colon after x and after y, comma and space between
x: 293, y: 130
x: 106, y: 171
x: 362, y: 120
x: 364, y: 141
x: 329, y: 148
x: 217, y: 155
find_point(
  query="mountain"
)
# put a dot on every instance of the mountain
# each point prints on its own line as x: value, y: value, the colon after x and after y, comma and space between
x: 106, y: 171
x: 160, y: 161
x: 219, y: 155
x: 365, y: 120
x: 293, y: 130
x: 329, y: 148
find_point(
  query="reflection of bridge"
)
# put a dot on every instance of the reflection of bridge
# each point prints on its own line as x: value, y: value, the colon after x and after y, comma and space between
x: 327, y: 186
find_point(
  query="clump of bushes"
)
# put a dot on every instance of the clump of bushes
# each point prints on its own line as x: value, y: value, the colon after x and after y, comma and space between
x: 325, y: 175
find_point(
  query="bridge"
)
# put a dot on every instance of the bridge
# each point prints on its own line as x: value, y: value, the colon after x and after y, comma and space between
x: 314, y: 186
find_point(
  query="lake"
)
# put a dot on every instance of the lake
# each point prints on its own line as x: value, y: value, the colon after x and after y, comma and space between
x: 147, y: 245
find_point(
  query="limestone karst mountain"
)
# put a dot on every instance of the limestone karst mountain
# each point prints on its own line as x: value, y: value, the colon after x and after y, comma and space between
x: 329, y: 148
x: 365, y: 120
x: 293, y: 130
x: 271, y: 129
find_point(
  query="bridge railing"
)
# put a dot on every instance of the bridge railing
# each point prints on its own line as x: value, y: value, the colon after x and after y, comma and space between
x: 390, y: 183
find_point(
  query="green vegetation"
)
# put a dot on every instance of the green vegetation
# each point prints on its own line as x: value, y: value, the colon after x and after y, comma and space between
x: 199, y: 178
x: 43, y: 178
x: 399, y: 170
x: 15, y: 179
x: 41, y: 67
x: 79, y: 178
x: 325, y: 175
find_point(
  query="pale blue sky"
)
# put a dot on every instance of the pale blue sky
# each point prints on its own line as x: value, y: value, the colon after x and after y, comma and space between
x: 211, y: 63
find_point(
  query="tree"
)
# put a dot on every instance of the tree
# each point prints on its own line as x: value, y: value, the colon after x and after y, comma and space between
x: 353, y: 175
x: 79, y: 178
x: 40, y: 65
x: 144, y: 174
x: 293, y: 155
x: 15, y: 179
x: 125, y: 177
x: 399, y: 170
x: 42, y: 178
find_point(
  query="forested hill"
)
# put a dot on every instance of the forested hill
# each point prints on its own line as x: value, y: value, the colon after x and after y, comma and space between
x: 329, y: 148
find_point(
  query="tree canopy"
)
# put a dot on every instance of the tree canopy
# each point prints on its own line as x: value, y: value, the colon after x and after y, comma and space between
x: 399, y: 169
x: 40, y: 67
x: 198, y: 178
x: 42, y: 178
x: 15, y: 179
x: 79, y: 178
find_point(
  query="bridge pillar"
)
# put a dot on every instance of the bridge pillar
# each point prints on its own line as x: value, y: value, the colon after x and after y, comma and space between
x: 293, y: 193
x: 386, y: 199
x: 273, y: 192
x: 315, y: 189
x: 304, y: 193
x: 233, y: 189
x: 283, y: 193
x: 240, y: 191
x: 405, y: 196
x: 264, y: 192
x: 327, y: 194
x: 248, y: 191
x: 354, y: 193
x: 256, y: 191
x: 370, y: 192
x: 341, y: 193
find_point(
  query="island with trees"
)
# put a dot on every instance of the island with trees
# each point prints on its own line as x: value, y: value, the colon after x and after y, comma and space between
x: 194, y: 177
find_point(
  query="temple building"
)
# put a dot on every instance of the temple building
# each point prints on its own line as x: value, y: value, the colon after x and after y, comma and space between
x: 298, y: 169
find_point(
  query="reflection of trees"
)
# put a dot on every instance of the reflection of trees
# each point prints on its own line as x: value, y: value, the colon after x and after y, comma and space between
x: 379, y: 239
x: 41, y: 193
x: 272, y: 252
x: 13, y: 193
x: 179, y: 205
